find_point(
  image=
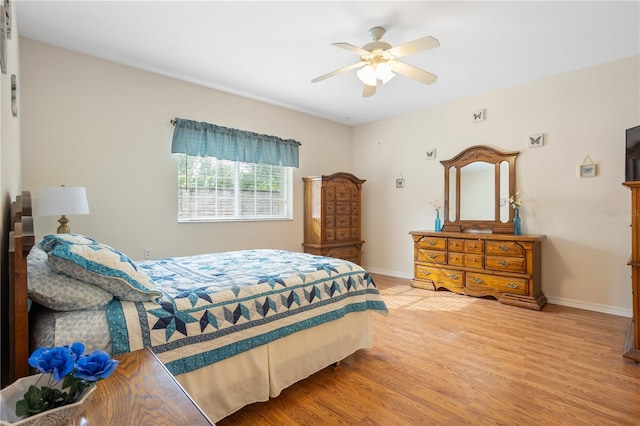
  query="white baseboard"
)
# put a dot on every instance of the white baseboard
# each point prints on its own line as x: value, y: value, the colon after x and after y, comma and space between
x: 388, y: 273
x: 605, y: 309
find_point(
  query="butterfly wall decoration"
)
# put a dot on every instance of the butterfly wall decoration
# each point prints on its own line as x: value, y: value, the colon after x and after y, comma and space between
x: 431, y: 154
x: 536, y: 141
x: 588, y: 168
x: 478, y: 116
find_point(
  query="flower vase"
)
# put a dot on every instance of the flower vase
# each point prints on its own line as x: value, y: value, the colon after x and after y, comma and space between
x: 517, y: 222
x: 60, y: 416
x: 438, y: 224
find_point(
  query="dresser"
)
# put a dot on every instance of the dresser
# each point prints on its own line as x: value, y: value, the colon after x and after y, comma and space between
x: 332, y: 212
x: 632, y: 344
x: 503, y: 266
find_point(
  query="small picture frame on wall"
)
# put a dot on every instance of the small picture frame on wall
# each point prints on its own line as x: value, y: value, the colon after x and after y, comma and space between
x: 3, y: 39
x: 588, y: 168
x: 536, y: 141
x: 14, y: 95
x: 7, y: 19
x: 479, y: 116
x: 431, y: 154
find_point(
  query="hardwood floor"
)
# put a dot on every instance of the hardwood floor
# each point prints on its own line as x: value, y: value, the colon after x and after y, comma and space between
x: 445, y: 359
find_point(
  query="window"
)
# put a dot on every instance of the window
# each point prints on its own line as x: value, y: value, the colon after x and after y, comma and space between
x: 210, y: 189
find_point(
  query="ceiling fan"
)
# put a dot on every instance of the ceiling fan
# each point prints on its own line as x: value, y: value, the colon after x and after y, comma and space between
x: 378, y: 61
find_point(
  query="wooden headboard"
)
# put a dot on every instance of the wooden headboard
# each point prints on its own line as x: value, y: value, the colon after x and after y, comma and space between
x: 15, y: 312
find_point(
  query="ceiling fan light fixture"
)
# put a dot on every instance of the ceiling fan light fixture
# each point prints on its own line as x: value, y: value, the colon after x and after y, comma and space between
x: 384, y: 72
x: 367, y: 75
x: 371, y: 73
x: 379, y: 61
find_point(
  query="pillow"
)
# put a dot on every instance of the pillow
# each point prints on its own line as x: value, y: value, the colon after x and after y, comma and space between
x: 101, y: 265
x: 50, y: 241
x: 58, y: 291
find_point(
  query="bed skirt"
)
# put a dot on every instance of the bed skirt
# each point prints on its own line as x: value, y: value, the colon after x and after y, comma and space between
x: 222, y: 388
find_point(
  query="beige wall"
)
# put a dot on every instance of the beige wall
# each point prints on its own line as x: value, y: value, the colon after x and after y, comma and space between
x: 586, y: 220
x: 9, y: 125
x: 92, y: 123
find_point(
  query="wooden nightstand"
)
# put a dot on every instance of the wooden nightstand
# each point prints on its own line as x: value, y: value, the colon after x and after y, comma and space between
x: 141, y: 391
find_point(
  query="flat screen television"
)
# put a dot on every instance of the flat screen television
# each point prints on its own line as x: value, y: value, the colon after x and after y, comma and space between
x: 632, y: 169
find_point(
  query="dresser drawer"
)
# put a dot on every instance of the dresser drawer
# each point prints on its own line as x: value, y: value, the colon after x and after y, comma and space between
x: 512, y: 264
x: 456, y: 258
x: 450, y: 277
x: 343, y: 207
x: 343, y: 193
x: 329, y: 193
x: 343, y: 234
x: 504, y: 248
x: 473, y: 260
x: 350, y: 253
x: 502, y: 284
x: 473, y: 246
x: 456, y: 244
x: 329, y: 208
x: 329, y: 221
x: 431, y: 256
x: 432, y: 243
x: 343, y: 221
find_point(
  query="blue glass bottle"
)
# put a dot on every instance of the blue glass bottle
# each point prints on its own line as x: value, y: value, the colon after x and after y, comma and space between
x: 438, y: 224
x: 517, y: 222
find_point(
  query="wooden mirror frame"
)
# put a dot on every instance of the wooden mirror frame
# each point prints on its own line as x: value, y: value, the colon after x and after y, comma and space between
x: 488, y: 155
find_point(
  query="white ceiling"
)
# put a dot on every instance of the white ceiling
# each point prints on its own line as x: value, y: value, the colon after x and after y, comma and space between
x: 270, y: 51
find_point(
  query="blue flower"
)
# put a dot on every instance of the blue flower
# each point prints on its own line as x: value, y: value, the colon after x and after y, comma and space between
x: 58, y: 361
x: 95, y: 366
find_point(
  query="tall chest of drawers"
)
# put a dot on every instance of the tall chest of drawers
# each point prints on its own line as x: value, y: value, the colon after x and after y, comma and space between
x: 507, y: 267
x: 332, y: 212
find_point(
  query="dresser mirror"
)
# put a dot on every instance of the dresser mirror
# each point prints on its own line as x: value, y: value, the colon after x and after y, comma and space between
x: 477, y: 185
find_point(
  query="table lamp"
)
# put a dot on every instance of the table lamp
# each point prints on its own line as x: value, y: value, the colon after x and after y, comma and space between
x: 62, y: 200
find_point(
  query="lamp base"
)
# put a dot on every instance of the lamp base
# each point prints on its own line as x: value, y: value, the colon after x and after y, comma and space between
x: 63, y: 228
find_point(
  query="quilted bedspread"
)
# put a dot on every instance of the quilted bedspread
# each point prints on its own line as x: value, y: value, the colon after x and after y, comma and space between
x: 217, y: 305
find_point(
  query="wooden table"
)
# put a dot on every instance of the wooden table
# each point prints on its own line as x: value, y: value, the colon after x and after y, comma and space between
x: 141, y: 391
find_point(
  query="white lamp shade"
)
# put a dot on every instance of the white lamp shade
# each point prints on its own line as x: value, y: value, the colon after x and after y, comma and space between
x: 62, y: 200
x: 367, y: 75
x: 384, y: 72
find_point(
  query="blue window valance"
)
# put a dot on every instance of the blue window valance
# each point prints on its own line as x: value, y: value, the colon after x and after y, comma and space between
x: 208, y: 140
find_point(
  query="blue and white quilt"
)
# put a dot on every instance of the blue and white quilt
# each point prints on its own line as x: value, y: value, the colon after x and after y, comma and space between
x: 215, y: 306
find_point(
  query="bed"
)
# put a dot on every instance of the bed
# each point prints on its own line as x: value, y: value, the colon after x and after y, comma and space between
x: 234, y: 328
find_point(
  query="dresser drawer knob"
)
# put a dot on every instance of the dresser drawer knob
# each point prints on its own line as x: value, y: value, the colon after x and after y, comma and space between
x: 432, y: 243
x: 477, y: 280
x: 504, y: 263
x: 513, y: 285
x: 431, y: 256
x: 426, y: 273
x: 453, y: 276
x: 503, y: 248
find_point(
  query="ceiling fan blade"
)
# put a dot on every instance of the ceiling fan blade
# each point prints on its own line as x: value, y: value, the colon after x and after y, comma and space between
x: 413, y: 72
x: 338, y: 71
x: 350, y: 47
x: 414, y: 46
x: 368, y: 91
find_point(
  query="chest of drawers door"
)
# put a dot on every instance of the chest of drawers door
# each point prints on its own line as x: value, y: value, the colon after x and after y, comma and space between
x: 506, y: 267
